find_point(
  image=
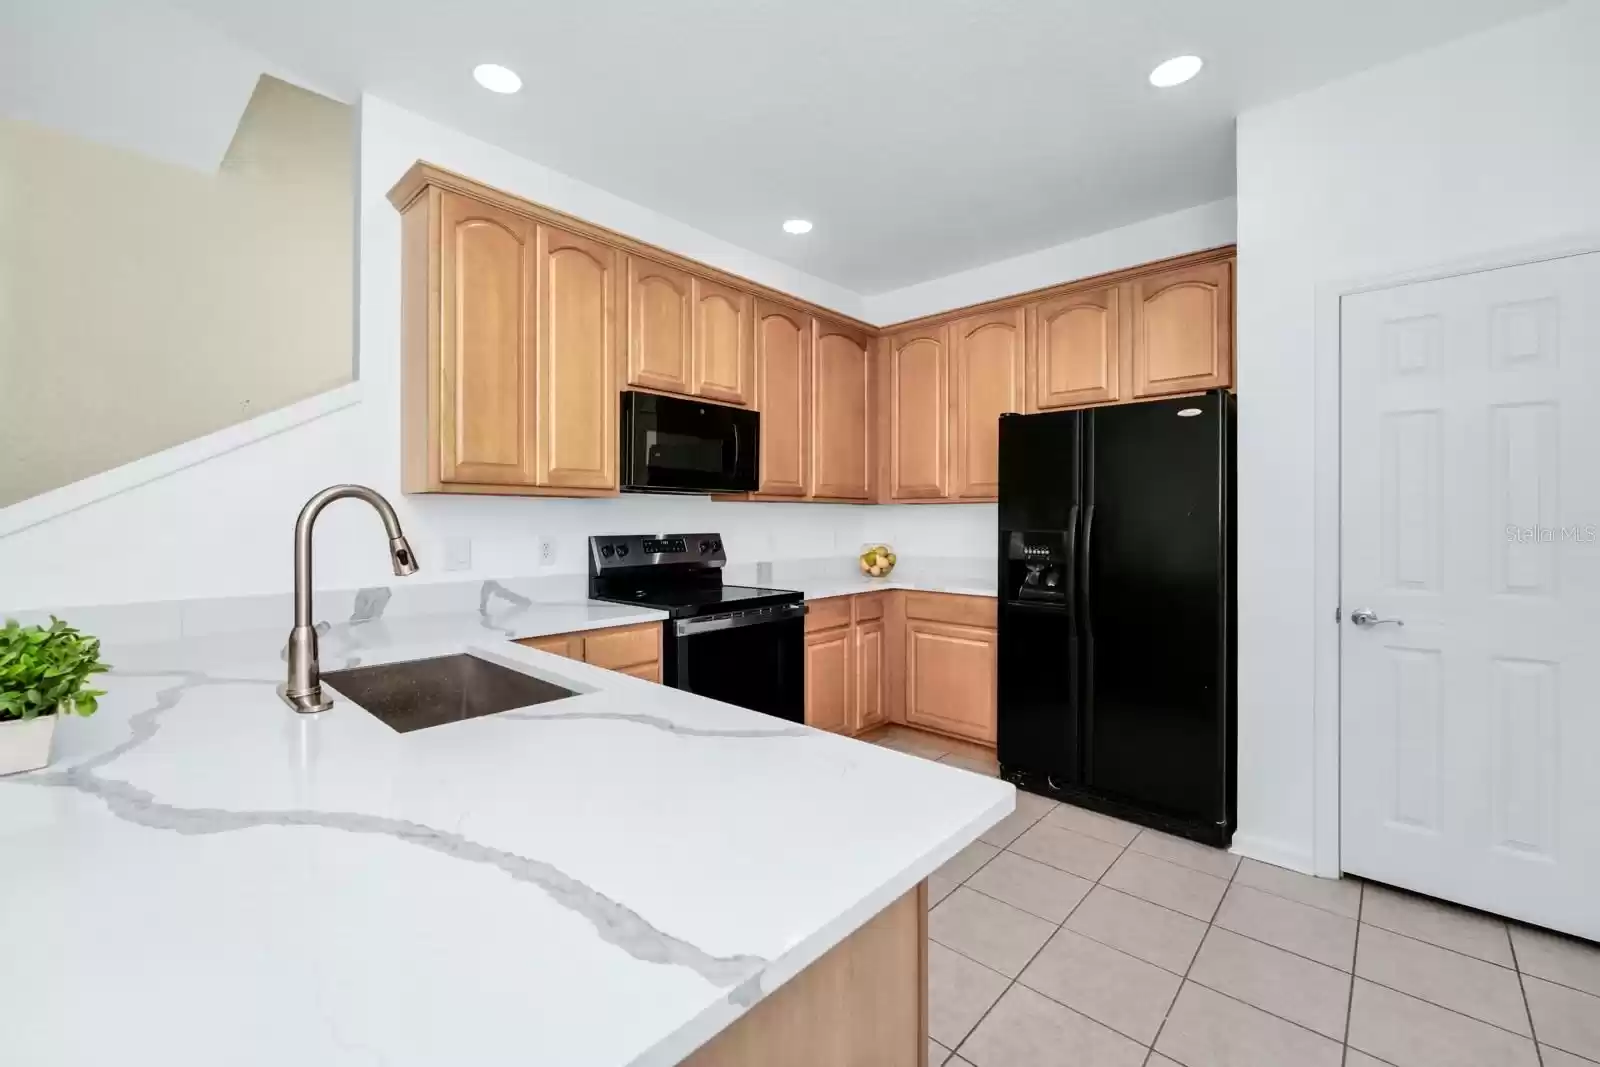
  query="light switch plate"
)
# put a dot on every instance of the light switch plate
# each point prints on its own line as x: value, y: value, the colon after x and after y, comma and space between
x: 458, y: 553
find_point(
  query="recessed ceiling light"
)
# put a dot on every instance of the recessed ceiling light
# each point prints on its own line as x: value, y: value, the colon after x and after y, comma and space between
x: 1176, y: 71
x: 497, y: 79
x: 797, y: 226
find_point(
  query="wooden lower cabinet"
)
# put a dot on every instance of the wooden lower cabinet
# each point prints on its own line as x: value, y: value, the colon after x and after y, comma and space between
x: 924, y: 659
x: 950, y: 679
x: 863, y: 1004
x: 870, y: 707
x: 634, y: 650
x: 828, y: 679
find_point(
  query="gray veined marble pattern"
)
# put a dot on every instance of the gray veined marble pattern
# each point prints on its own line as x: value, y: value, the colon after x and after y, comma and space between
x: 614, y: 922
x: 595, y: 883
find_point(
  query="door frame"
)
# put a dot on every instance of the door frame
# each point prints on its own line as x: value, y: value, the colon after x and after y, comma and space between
x: 1327, y: 625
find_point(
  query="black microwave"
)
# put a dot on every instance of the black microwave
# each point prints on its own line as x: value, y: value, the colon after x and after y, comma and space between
x: 672, y: 444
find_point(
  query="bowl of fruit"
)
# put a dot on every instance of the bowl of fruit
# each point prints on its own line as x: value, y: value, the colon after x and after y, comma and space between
x: 877, y: 560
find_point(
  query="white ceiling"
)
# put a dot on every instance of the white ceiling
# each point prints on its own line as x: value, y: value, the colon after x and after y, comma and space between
x: 921, y: 136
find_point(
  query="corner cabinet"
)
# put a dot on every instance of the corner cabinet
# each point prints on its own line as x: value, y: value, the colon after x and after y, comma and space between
x: 841, y: 390
x: 508, y: 336
x: 987, y: 356
x: 919, y: 414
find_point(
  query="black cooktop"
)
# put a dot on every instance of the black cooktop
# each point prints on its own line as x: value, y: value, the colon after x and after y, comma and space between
x: 680, y: 574
x: 687, y: 601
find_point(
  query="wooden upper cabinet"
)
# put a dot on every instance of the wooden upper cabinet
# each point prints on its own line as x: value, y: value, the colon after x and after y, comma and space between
x: 1183, y: 330
x: 828, y: 679
x: 987, y: 362
x: 724, y: 357
x: 841, y: 391
x: 919, y: 414
x: 577, y: 359
x: 660, y: 326
x: 1076, y: 357
x: 783, y: 396
x: 486, y: 381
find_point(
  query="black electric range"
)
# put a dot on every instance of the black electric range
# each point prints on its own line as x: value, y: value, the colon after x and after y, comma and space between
x: 740, y: 644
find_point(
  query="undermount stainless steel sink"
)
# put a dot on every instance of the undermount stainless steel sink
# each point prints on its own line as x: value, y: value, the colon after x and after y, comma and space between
x: 415, y: 694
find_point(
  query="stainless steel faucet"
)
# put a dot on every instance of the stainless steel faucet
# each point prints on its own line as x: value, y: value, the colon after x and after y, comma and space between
x: 303, y: 690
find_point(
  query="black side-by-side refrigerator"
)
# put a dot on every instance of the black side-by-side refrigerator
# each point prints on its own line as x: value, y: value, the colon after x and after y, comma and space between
x: 1116, y: 613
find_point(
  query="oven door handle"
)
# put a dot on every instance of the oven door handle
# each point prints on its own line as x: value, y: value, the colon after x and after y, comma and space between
x: 734, y: 620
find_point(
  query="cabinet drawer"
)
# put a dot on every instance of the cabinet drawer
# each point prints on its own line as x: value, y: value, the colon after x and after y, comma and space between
x: 561, y: 644
x: 826, y: 614
x: 952, y: 608
x: 624, y: 647
x: 868, y: 606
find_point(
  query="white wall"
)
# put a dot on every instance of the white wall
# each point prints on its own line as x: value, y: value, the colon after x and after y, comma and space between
x: 1190, y: 230
x: 223, y: 527
x: 1485, y: 144
x: 169, y: 302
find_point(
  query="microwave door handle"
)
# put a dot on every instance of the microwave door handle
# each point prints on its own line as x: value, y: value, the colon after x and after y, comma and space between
x: 735, y: 424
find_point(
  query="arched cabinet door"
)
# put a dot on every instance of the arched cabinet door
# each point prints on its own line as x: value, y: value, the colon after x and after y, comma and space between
x: 919, y: 414
x: 1183, y: 330
x: 577, y: 424
x: 1077, y: 346
x: 660, y: 326
x: 841, y: 390
x: 486, y: 344
x: 783, y: 373
x: 724, y: 361
x: 986, y: 357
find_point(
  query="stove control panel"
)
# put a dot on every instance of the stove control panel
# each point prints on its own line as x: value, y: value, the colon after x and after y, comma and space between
x: 611, y: 552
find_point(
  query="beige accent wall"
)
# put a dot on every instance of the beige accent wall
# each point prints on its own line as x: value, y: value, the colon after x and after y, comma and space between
x: 144, y: 304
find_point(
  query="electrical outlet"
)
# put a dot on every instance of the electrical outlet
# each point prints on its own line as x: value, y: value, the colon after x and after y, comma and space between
x: 547, y: 552
x: 458, y: 553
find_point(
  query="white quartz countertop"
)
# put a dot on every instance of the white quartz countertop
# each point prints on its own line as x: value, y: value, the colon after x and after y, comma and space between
x: 205, y: 877
x: 820, y: 579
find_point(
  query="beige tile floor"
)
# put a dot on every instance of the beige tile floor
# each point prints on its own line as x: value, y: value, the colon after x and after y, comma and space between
x: 1064, y: 937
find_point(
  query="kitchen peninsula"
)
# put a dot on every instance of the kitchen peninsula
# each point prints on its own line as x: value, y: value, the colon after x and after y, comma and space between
x: 632, y: 875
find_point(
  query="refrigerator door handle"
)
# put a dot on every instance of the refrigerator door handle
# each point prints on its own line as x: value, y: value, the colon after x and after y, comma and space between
x: 1088, y: 547
x: 1072, y: 557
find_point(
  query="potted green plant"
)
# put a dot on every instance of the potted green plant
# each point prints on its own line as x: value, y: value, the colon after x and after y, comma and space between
x: 44, y: 672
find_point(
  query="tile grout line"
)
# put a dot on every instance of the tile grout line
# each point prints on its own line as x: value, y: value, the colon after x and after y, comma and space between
x: 1210, y: 924
x: 1350, y: 995
x: 1041, y: 948
x: 1523, y: 987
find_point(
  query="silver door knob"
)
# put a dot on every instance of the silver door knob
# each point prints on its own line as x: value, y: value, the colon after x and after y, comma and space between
x: 1366, y: 618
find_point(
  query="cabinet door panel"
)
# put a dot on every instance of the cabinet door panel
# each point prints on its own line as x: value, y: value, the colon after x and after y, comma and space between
x: 870, y: 710
x: 650, y: 672
x: 950, y: 679
x: 919, y: 415
x: 1076, y: 355
x: 841, y: 380
x: 487, y: 344
x: 1183, y: 330
x: 783, y: 396
x: 577, y: 426
x: 828, y: 679
x: 626, y: 646
x: 723, y: 361
x: 660, y: 326
x: 987, y: 361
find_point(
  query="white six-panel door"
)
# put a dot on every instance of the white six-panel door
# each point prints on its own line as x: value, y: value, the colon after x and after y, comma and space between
x: 1470, y: 484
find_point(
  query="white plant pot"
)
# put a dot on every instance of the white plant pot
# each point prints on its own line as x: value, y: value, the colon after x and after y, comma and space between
x: 25, y: 743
